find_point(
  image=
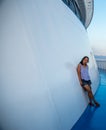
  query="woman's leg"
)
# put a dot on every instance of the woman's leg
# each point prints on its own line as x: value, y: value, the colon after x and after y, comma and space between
x: 90, y: 95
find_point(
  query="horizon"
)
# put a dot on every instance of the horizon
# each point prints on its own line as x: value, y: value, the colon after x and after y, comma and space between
x: 97, y: 29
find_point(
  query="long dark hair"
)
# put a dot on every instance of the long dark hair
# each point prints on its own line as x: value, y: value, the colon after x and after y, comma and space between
x: 81, y: 62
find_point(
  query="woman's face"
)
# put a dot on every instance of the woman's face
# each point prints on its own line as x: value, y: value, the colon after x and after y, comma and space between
x: 85, y: 61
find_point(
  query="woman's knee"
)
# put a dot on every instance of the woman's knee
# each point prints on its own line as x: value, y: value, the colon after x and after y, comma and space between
x: 87, y: 88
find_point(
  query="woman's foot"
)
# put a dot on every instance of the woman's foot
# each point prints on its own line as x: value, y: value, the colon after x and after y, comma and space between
x: 97, y: 104
x: 91, y: 104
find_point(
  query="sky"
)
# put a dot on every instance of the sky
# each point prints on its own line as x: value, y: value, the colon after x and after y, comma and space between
x: 97, y: 28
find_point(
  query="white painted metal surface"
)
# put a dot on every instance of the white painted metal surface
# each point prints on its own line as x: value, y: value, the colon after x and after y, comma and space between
x: 41, y: 44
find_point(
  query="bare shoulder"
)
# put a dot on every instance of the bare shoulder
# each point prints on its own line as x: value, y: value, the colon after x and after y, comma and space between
x: 79, y: 67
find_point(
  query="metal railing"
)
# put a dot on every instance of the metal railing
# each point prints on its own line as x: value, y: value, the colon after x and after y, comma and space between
x: 101, y: 63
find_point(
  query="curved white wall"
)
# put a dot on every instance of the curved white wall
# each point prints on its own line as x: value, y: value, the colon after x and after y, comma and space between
x: 41, y: 44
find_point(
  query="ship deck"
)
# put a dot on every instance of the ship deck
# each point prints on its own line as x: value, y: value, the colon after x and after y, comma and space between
x: 95, y: 118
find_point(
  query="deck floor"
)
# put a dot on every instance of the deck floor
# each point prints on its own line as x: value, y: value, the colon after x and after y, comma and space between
x: 95, y: 118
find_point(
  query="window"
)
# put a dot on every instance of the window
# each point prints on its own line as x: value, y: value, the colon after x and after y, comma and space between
x: 74, y: 7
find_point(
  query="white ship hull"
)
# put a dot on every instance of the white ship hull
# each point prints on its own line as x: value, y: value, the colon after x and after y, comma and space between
x: 41, y: 44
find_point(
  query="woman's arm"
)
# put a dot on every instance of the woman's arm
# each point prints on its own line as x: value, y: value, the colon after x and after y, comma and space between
x: 79, y: 73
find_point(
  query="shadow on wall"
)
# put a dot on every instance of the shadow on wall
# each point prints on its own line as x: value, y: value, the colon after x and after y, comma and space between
x: 73, y: 68
x: 1, y: 128
x: 0, y: 4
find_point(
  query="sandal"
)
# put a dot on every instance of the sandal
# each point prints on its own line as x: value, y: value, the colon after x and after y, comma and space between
x: 91, y: 104
x: 97, y: 104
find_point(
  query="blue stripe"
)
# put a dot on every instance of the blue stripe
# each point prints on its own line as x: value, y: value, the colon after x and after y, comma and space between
x: 95, y: 118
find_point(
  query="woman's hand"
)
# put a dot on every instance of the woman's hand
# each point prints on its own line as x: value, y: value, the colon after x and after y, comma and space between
x: 81, y: 83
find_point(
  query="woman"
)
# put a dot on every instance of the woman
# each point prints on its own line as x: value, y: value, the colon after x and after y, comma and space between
x: 85, y: 81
